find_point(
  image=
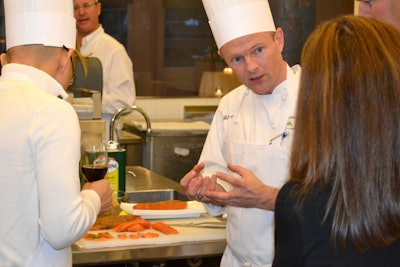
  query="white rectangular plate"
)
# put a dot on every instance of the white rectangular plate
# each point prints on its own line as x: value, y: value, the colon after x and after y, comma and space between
x: 194, y: 209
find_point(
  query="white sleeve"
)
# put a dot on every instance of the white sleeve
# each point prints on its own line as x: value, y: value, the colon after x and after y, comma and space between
x: 65, y: 213
x: 213, y: 158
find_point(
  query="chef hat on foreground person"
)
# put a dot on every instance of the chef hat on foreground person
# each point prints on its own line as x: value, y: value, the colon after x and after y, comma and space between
x: 46, y: 22
x: 231, y: 19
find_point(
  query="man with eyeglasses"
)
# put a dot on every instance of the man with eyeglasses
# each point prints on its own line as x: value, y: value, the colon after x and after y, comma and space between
x: 43, y: 209
x: 118, y: 83
x: 385, y: 10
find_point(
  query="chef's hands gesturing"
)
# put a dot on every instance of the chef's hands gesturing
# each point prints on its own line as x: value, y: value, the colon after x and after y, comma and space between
x: 194, y: 185
x: 247, y: 191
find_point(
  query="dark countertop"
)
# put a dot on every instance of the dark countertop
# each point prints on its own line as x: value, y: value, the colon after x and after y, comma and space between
x: 139, y: 178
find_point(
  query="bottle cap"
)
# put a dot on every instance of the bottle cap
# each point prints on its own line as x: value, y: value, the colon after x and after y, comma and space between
x: 112, y: 145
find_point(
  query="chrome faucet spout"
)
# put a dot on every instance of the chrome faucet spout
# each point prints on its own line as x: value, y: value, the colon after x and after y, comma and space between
x: 121, y: 111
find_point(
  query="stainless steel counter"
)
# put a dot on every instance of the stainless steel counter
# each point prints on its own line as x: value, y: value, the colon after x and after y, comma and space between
x: 139, y: 178
x: 148, y: 253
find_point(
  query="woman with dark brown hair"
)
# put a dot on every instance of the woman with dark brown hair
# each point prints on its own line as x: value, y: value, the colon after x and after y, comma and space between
x: 341, y: 206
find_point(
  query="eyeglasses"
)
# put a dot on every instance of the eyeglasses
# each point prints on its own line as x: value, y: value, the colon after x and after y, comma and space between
x: 85, y: 6
x: 71, y: 82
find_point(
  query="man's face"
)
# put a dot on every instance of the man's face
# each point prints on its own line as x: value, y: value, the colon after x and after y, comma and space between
x: 87, y: 14
x: 256, y: 60
x: 384, y: 10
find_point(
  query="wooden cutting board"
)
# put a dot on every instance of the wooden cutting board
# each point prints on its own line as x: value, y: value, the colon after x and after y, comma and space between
x: 186, y: 234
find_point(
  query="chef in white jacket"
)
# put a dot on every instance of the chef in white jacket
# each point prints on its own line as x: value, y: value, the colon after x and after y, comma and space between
x: 248, y: 144
x: 42, y: 207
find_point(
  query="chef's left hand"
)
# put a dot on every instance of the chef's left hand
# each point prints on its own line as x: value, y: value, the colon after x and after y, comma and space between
x: 194, y: 185
x: 247, y: 192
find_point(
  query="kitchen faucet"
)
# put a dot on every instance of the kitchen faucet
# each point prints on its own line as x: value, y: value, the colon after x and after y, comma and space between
x: 120, y: 111
x: 147, y: 149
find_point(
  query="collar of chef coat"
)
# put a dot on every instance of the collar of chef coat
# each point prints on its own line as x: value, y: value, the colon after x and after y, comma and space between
x: 90, y: 38
x: 280, y: 92
x: 43, y: 80
x: 290, y: 76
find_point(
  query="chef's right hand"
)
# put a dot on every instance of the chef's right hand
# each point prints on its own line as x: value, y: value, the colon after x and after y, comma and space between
x: 192, y: 182
x: 103, y: 189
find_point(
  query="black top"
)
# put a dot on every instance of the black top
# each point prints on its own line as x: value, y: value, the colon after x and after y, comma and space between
x: 301, y: 240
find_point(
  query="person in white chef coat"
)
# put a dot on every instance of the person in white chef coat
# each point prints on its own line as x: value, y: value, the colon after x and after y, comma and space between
x: 42, y: 207
x: 248, y: 144
x: 119, y: 89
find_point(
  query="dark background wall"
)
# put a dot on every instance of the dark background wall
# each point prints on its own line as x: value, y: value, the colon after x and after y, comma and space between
x: 157, y: 43
x: 298, y: 18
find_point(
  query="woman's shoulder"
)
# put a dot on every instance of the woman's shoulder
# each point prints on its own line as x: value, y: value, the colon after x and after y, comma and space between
x: 286, y: 199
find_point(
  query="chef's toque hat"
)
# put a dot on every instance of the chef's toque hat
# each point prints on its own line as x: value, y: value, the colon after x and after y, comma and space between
x: 230, y: 19
x: 46, y: 22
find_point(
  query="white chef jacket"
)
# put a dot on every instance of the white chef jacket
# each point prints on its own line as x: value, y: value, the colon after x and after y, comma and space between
x: 243, y: 132
x: 118, y: 83
x: 43, y: 211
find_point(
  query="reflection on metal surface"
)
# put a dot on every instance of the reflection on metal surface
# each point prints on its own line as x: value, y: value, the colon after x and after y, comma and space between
x: 201, y: 224
x: 132, y: 173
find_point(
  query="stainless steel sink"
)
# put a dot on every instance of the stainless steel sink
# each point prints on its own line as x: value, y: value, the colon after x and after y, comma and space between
x: 154, y: 195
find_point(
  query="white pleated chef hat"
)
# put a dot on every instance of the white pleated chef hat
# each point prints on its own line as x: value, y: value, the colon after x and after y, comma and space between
x: 46, y: 22
x: 231, y: 19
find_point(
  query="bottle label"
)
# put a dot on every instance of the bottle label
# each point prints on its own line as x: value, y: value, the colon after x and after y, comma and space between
x: 113, y: 173
x: 116, y: 169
